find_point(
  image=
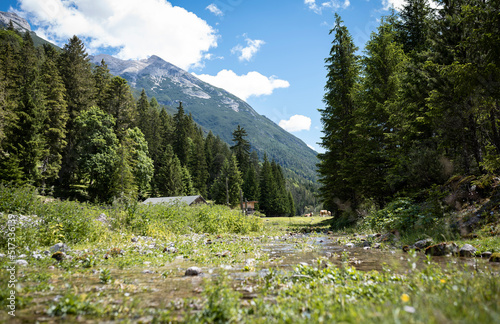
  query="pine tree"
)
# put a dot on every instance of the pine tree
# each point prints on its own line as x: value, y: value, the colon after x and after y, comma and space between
x: 198, y: 164
x: 10, y: 47
x: 383, y: 66
x: 187, y: 183
x: 102, y: 79
x: 267, y: 188
x: 181, y: 135
x: 168, y: 176
x: 291, y: 205
x: 226, y: 188
x: 55, y: 126
x: 241, y: 148
x: 76, y: 72
x: 119, y: 103
x: 251, y: 184
x: 338, y: 120
x: 28, y: 139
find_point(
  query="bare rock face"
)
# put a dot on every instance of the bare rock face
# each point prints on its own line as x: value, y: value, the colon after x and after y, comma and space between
x: 19, y: 23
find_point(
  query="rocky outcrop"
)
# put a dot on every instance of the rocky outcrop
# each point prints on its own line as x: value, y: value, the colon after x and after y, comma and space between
x: 19, y: 23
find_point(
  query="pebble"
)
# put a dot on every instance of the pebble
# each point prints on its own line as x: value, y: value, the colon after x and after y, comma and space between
x: 38, y: 256
x: 349, y: 245
x: 59, y: 247
x: 193, y: 271
x: 22, y: 262
x: 486, y: 254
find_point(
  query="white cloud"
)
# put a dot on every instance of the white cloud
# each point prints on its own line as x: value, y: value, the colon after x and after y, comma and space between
x: 396, y: 4
x: 312, y: 147
x: 246, y: 53
x: 332, y: 4
x: 136, y: 29
x: 213, y: 9
x: 244, y: 86
x: 296, y: 123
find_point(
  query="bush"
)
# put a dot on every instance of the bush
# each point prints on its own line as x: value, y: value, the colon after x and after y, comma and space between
x: 402, y: 214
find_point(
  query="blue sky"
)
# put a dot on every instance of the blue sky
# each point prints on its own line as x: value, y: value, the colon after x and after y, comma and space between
x: 268, y: 52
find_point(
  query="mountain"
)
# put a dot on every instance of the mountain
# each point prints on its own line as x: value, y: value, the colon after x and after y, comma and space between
x: 214, y: 109
x: 21, y: 25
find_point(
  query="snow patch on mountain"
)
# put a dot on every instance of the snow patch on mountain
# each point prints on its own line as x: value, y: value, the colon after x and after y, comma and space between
x: 231, y: 103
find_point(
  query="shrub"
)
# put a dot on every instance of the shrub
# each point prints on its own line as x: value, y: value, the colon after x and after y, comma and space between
x: 402, y: 214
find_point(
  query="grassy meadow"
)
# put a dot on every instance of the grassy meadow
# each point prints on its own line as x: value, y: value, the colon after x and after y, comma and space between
x: 127, y: 263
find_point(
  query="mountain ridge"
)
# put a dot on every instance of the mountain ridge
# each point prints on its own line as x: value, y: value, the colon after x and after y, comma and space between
x: 213, y: 109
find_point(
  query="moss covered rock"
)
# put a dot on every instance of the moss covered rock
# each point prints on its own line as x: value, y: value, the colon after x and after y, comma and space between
x: 441, y: 249
x: 495, y: 257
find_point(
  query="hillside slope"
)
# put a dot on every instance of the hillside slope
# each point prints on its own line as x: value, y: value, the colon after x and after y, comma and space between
x: 214, y: 109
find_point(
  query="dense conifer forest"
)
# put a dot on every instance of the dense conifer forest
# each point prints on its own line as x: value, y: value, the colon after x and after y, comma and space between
x: 416, y: 113
x: 74, y: 131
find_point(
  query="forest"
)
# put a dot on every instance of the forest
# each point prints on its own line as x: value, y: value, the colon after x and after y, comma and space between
x: 416, y: 114
x: 74, y: 131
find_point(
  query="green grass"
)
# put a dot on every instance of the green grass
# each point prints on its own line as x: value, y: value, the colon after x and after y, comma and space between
x: 103, y: 277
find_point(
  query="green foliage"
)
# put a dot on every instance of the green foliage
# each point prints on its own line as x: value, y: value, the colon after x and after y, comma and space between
x: 402, y: 214
x: 222, y: 303
x: 73, y: 304
x: 421, y: 108
x: 104, y: 276
x: 162, y: 220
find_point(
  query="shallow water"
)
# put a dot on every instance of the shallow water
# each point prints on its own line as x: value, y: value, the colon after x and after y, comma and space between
x: 145, y: 287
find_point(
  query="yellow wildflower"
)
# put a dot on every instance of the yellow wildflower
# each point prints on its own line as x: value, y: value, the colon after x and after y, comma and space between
x: 442, y: 281
x: 405, y: 298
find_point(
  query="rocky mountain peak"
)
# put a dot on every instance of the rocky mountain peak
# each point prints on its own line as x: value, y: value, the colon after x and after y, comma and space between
x: 19, y: 23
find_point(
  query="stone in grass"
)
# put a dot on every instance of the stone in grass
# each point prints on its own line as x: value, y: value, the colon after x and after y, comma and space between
x: 442, y: 249
x: 422, y: 244
x: 486, y: 254
x: 495, y: 257
x: 59, y: 256
x: 59, y: 247
x: 22, y: 262
x: 467, y: 251
x: 193, y: 271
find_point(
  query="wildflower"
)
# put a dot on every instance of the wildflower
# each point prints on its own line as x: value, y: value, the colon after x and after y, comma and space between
x: 442, y: 281
x: 409, y: 309
x: 405, y: 298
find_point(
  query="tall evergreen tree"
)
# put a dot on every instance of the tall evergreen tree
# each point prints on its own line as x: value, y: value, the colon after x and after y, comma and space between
x: 119, y: 103
x: 55, y: 126
x: 267, y: 188
x: 251, y: 183
x: 181, y: 135
x: 28, y: 139
x: 102, y: 79
x: 226, y: 188
x: 241, y: 148
x: 338, y: 120
x: 76, y: 72
x: 383, y: 66
x: 168, y: 175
